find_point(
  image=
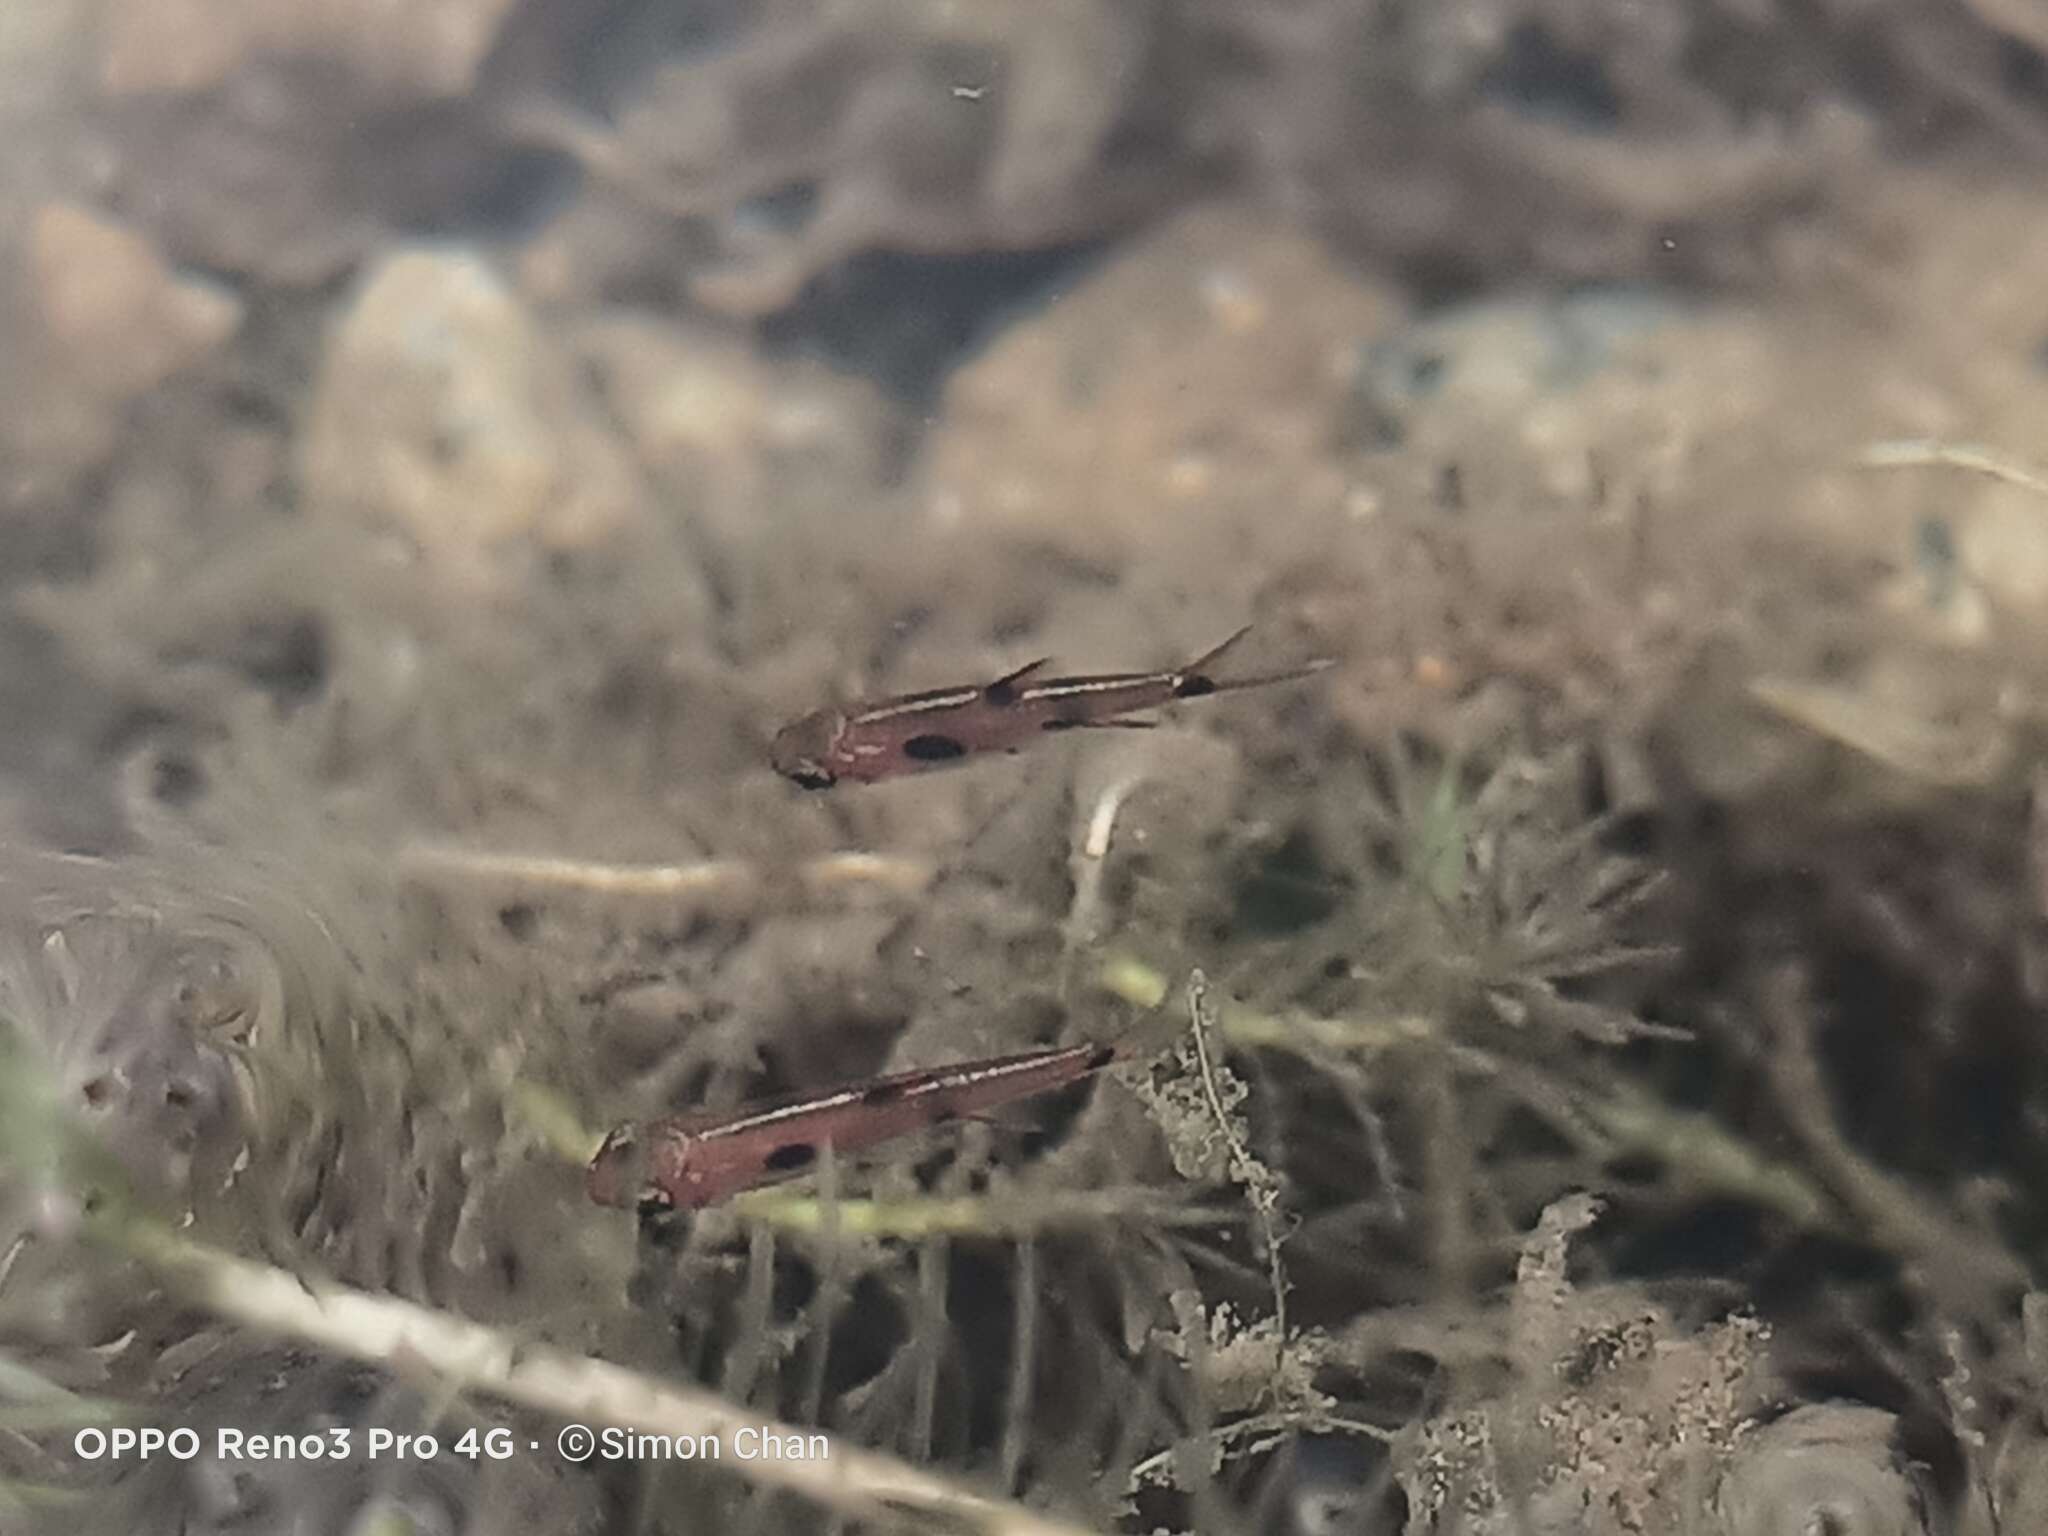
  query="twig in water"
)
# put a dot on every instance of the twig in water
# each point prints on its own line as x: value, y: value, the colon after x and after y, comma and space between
x: 724, y: 878
x: 379, y: 1329
x: 1921, y: 453
x: 1138, y: 983
x: 1087, y: 865
x: 702, y: 878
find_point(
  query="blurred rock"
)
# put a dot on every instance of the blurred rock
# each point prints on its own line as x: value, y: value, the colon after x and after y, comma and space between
x: 1564, y: 389
x: 428, y: 48
x: 444, y: 412
x: 39, y: 42
x: 1964, y: 330
x: 705, y: 410
x: 776, y: 465
x: 1195, y: 377
x: 1825, y: 1467
x: 264, y: 177
x: 114, y: 315
x: 906, y: 126
x: 2003, y: 546
x: 101, y: 319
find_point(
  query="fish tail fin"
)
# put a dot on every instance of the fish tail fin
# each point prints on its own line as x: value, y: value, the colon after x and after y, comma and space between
x: 1267, y: 679
x: 1198, y: 678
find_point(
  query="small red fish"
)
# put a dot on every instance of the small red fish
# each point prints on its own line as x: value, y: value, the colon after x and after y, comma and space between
x: 690, y: 1161
x: 917, y: 732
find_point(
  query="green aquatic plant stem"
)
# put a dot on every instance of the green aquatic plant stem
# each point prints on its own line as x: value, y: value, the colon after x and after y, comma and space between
x: 1707, y: 1154
x: 1442, y: 840
x: 32, y: 1405
x: 1628, y: 1119
x: 33, y: 1498
x: 1138, y: 983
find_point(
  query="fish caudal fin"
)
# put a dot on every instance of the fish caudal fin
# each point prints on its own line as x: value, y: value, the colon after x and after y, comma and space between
x: 1197, y: 679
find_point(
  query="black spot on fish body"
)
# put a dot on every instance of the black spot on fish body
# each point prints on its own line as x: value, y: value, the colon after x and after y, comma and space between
x: 1102, y: 1057
x: 933, y: 748
x: 945, y: 1114
x: 787, y: 1159
x: 1193, y: 686
x: 883, y: 1093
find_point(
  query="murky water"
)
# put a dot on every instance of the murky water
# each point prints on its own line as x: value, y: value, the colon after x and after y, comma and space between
x: 442, y: 446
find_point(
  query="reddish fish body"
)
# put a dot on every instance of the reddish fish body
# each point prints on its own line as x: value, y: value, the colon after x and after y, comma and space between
x: 917, y: 732
x: 691, y: 1161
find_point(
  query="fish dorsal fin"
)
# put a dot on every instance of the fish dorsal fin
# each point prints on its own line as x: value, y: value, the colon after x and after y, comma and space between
x: 1004, y: 689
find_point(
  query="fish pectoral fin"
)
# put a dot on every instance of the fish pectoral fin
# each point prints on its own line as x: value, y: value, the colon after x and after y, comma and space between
x: 1004, y: 689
